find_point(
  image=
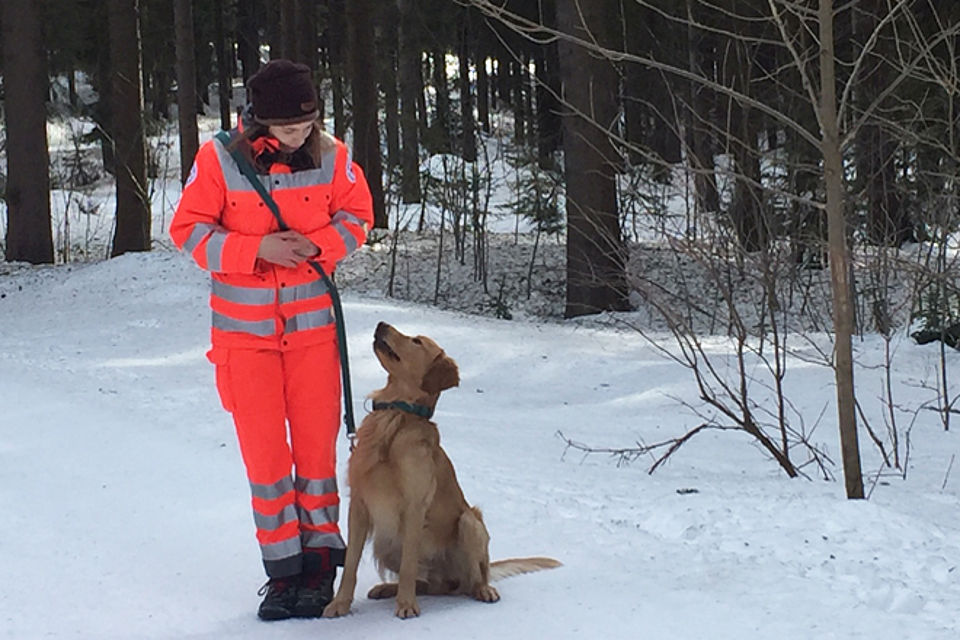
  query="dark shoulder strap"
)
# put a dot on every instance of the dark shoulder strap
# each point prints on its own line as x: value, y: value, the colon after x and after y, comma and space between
x: 248, y: 171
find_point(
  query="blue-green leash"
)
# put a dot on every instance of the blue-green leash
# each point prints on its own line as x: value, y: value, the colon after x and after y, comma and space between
x: 248, y: 171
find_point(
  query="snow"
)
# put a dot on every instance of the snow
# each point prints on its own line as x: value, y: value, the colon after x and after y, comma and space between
x: 126, y: 509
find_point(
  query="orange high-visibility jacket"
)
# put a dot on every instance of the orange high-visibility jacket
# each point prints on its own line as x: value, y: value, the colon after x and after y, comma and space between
x: 221, y: 219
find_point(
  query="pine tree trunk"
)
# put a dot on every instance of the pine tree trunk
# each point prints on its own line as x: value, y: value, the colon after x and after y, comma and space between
x: 186, y: 85
x: 366, y: 133
x: 596, y: 255
x: 746, y: 210
x: 409, y: 77
x: 388, y: 82
x: 549, y: 123
x: 307, y: 33
x: 224, y: 66
x: 888, y: 221
x: 483, y: 89
x: 700, y: 139
x: 440, y: 129
x: 248, y: 39
x: 517, y: 77
x: 337, y: 33
x: 288, y: 30
x: 29, y: 235
x: 467, y: 123
x: 843, y: 314
x: 132, y: 231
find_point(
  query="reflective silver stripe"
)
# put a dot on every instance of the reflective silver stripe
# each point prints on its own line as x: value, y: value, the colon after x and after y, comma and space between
x: 313, y: 539
x: 271, y: 523
x: 271, y: 491
x: 200, y: 231
x: 232, y: 178
x: 261, y: 328
x: 321, y: 515
x: 316, y: 487
x: 307, y: 291
x: 236, y: 181
x: 299, y: 179
x: 349, y: 241
x: 215, y: 250
x: 338, y: 220
x: 346, y: 216
x: 309, y: 320
x: 243, y: 295
x: 282, y: 549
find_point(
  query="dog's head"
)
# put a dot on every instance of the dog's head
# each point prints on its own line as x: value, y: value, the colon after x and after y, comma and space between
x: 415, y: 365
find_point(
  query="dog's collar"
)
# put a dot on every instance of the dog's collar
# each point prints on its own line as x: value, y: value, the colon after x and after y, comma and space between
x: 421, y: 410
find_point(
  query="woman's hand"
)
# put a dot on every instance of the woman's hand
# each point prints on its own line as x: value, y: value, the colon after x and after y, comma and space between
x: 286, y: 248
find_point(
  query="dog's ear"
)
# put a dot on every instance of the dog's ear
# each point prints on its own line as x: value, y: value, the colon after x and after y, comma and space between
x: 441, y: 375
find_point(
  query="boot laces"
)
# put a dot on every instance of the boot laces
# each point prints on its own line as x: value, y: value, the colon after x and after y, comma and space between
x: 275, y: 586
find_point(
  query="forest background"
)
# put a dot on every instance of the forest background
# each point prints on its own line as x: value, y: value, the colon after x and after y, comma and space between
x: 766, y: 171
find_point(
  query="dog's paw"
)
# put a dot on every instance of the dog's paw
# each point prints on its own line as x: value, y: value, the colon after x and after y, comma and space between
x: 407, y: 608
x: 337, y: 608
x: 384, y: 590
x: 486, y: 593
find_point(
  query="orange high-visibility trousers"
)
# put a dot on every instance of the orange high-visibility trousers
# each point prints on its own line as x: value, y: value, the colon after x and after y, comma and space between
x: 292, y: 473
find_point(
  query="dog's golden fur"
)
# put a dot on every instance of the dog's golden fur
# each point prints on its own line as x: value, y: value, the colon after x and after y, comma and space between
x: 404, y: 491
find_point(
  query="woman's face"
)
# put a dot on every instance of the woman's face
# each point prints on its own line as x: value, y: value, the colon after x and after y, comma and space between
x: 291, y: 136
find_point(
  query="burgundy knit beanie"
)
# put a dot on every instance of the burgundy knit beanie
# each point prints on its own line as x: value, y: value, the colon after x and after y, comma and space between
x: 282, y: 92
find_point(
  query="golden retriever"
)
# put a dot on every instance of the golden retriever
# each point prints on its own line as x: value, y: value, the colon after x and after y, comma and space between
x: 404, y: 491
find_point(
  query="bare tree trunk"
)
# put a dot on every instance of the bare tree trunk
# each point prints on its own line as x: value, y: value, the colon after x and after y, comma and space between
x: 224, y: 65
x: 186, y: 86
x: 888, y: 220
x: 288, y: 30
x: 596, y: 256
x: 307, y: 33
x: 388, y: 81
x: 483, y: 87
x: 248, y: 39
x: 338, y: 34
x: 366, y: 134
x: 699, y: 139
x: 839, y: 258
x: 517, y: 90
x: 467, y: 123
x: 29, y: 235
x: 441, y: 125
x: 549, y: 122
x: 133, y: 211
x: 409, y: 76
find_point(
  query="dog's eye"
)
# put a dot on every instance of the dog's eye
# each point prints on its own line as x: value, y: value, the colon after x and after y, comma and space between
x: 417, y: 341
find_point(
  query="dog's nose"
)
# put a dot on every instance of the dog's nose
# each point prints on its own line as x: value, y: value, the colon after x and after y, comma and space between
x: 382, y: 327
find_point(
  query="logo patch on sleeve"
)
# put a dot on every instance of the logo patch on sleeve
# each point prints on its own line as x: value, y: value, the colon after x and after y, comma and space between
x: 192, y: 176
x: 351, y: 176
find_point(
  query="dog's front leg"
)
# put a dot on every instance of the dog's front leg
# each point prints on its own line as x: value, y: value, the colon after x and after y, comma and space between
x: 359, y: 523
x: 418, y: 486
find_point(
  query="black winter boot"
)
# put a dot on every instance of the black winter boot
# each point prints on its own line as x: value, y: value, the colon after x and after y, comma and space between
x: 314, y: 593
x: 280, y: 596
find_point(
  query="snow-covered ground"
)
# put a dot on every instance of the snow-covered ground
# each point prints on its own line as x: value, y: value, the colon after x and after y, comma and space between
x: 126, y: 512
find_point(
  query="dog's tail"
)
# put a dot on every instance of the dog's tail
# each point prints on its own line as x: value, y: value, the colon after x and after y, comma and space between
x: 515, y: 566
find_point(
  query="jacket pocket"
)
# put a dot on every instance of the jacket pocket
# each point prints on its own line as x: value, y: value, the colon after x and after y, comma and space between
x: 220, y: 357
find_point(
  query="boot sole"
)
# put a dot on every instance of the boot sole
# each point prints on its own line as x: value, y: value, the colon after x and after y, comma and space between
x: 310, y: 611
x: 270, y: 615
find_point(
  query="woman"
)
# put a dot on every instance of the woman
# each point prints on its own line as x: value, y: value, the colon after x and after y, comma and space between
x: 273, y: 335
